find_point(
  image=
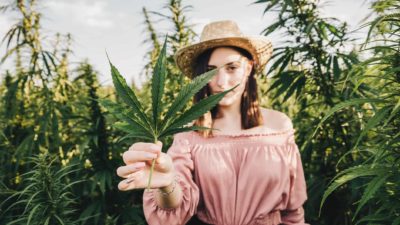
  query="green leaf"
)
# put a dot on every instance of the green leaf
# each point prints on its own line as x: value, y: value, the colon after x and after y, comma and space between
x: 394, y: 112
x: 157, y: 86
x: 135, y: 124
x: 69, y: 185
x: 10, y: 35
x: 336, y: 68
x: 310, y: 26
x: 342, y: 105
x: 348, y: 175
x: 285, y: 80
x: 376, y: 119
x: 17, y: 221
x: 198, y: 110
x: 59, y: 219
x: 322, y: 30
x: 131, y: 131
x: 28, y: 203
x: 332, y: 29
x: 127, y: 95
x: 46, y: 64
x: 32, y: 213
x: 271, y: 5
x: 371, y: 189
x: 186, y: 94
x: 55, y: 131
x: 377, y: 218
x: 93, y: 210
x: 271, y: 28
x: 111, y: 106
x: 278, y: 63
x: 373, y: 24
x: 296, y: 85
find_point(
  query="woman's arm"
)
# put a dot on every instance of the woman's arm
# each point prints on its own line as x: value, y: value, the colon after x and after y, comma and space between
x: 169, y: 196
x: 180, y: 204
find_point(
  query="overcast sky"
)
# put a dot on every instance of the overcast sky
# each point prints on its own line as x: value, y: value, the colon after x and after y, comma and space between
x: 117, y: 26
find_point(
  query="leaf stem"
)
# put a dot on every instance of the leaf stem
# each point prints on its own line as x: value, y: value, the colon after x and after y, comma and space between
x: 152, y: 168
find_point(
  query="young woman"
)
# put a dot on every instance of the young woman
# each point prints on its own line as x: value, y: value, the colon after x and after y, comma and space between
x: 247, y: 172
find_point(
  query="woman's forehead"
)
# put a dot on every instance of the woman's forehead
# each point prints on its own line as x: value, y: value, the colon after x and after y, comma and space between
x: 223, y: 55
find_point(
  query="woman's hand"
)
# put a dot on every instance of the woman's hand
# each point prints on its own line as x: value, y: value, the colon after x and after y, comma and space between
x: 138, y: 161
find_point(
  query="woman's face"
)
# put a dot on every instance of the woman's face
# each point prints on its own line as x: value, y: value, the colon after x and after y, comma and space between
x: 235, y: 70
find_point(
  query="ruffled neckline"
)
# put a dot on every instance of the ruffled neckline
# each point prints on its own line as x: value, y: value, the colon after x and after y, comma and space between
x: 252, y: 134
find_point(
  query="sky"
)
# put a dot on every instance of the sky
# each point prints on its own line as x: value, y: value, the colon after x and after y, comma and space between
x: 117, y: 26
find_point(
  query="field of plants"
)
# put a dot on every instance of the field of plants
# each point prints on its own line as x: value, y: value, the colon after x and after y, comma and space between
x: 59, y: 149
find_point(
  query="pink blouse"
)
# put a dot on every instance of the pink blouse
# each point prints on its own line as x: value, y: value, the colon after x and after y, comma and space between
x: 238, y: 179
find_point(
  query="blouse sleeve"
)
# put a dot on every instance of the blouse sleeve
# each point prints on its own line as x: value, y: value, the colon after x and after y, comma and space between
x: 181, y: 156
x: 294, y: 212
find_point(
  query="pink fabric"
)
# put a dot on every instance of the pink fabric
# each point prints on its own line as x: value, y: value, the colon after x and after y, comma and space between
x: 244, y: 179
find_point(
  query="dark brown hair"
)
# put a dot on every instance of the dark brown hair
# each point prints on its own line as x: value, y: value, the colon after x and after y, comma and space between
x: 250, y: 110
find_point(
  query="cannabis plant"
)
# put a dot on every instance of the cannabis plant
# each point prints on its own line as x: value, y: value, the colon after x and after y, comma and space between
x: 137, y: 124
x: 377, y: 170
x: 46, y: 196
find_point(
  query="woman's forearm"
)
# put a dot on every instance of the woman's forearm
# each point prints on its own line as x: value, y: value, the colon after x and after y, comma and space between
x: 169, y: 196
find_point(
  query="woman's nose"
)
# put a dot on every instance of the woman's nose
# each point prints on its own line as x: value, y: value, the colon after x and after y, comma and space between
x: 222, y: 78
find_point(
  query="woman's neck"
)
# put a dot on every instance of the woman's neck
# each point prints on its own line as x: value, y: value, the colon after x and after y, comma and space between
x: 228, y: 119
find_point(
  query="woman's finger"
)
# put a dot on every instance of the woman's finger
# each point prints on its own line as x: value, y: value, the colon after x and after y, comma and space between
x: 133, y: 181
x: 148, y: 147
x: 124, y: 171
x: 130, y: 157
x: 163, y: 163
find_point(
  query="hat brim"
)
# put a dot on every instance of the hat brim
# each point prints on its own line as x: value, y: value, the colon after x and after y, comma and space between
x: 259, y: 47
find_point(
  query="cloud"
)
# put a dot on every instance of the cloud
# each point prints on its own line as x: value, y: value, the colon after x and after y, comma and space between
x: 88, y: 13
x: 5, y: 23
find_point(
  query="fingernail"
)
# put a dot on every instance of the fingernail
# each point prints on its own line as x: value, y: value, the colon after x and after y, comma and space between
x: 129, y: 180
x: 139, y: 165
x: 151, y: 155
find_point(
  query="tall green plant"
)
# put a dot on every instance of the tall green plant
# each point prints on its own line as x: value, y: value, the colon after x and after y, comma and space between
x: 379, y: 140
x: 34, y: 125
x: 175, y: 14
x: 308, y: 70
x: 50, y: 113
x: 44, y: 199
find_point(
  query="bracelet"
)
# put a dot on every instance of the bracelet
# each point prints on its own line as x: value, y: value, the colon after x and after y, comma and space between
x: 173, y: 187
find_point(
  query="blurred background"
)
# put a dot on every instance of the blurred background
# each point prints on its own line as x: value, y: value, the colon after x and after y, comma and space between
x: 335, y: 71
x: 119, y: 28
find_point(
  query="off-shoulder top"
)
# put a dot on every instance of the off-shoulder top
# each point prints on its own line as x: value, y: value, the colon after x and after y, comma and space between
x: 237, y: 179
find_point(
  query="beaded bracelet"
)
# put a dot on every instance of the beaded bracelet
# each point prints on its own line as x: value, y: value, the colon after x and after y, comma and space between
x: 173, y: 188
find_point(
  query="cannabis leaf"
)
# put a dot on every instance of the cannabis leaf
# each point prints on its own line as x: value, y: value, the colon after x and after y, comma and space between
x: 136, y: 123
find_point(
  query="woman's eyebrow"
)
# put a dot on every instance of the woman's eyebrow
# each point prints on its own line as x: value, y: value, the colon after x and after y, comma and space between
x: 227, y: 64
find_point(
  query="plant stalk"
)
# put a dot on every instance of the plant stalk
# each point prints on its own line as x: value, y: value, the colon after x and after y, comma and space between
x: 152, y: 168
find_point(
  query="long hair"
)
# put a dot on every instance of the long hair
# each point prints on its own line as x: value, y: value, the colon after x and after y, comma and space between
x: 249, y: 107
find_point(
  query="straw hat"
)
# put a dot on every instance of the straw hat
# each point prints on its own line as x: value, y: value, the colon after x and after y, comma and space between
x: 224, y: 33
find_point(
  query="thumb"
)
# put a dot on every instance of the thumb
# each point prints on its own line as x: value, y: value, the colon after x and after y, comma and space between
x: 159, y: 143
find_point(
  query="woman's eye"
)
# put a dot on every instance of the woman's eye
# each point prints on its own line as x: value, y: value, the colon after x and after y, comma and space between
x: 232, y: 68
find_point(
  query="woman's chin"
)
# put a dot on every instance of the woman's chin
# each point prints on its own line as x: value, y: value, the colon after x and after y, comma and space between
x: 226, y: 101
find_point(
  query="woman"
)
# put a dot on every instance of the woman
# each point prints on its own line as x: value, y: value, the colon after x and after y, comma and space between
x: 248, y: 171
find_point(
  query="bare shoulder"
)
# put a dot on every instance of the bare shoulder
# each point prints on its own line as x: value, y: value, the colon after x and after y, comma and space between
x: 276, y: 120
